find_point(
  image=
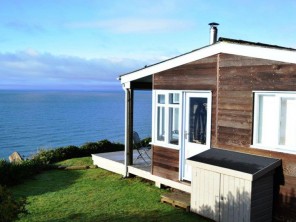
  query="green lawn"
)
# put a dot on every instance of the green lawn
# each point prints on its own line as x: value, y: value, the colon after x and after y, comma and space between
x: 94, y: 195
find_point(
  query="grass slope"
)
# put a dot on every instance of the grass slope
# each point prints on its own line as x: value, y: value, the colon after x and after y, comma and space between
x: 94, y: 195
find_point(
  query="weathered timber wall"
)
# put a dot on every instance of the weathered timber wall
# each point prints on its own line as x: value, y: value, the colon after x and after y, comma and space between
x: 165, y: 163
x: 232, y: 80
x: 238, y: 77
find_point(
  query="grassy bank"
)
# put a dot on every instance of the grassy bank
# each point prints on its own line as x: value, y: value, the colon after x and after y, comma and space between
x: 14, y: 173
x: 94, y: 195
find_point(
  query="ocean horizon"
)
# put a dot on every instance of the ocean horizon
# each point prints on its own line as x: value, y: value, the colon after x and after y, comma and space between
x: 31, y: 120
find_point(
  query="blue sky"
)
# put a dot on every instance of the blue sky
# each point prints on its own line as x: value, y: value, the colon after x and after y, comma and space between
x: 86, y: 44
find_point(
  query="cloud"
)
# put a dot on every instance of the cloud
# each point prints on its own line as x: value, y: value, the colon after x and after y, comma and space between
x: 32, y: 70
x: 135, y: 25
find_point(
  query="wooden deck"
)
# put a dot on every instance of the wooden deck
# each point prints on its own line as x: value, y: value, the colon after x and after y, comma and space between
x: 114, y: 162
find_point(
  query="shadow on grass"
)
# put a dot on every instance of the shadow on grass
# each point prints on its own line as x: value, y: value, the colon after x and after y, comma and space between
x: 95, y: 195
x: 152, y: 216
x: 49, y: 181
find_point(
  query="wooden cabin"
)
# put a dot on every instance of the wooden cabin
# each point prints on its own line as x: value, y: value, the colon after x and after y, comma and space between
x: 232, y: 95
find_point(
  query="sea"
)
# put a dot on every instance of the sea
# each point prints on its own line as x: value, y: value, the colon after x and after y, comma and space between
x: 34, y: 120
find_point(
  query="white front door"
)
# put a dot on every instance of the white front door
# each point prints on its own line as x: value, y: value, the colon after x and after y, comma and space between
x: 197, y: 128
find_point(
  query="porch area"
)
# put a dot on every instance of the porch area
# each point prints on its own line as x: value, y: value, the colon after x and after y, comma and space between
x: 114, y: 162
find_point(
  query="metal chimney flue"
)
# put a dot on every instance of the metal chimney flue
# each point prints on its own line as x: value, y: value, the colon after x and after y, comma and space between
x: 213, y: 32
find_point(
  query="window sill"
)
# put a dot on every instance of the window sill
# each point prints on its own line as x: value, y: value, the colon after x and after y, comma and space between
x: 275, y: 149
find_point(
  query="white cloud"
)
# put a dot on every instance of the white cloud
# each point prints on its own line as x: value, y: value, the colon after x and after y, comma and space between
x: 23, y: 70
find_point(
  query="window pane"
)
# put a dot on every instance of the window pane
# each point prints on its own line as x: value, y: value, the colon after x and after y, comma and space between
x: 267, y: 134
x: 198, y: 120
x: 288, y: 122
x: 161, y: 99
x: 174, y: 125
x: 174, y: 98
x: 160, y: 123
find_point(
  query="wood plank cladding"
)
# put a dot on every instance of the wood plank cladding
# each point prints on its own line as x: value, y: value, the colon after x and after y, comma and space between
x: 232, y: 80
x: 165, y: 163
x: 198, y: 75
x: 238, y: 77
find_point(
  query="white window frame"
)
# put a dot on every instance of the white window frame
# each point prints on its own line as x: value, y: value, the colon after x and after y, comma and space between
x: 276, y: 146
x: 167, y: 123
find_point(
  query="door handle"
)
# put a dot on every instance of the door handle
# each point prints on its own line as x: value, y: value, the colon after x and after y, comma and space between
x: 185, y: 135
x: 223, y: 198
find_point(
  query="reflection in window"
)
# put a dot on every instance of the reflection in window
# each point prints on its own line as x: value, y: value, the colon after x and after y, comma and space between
x: 161, y: 99
x: 174, y: 98
x: 174, y: 126
x: 266, y: 120
x: 160, y: 123
x: 288, y: 122
x: 198, y: 120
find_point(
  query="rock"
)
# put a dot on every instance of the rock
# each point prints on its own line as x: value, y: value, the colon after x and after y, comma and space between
x: 15, y: 157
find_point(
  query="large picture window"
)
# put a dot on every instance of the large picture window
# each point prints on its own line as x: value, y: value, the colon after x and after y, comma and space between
x: 167, y: 117
x: 275, y: 121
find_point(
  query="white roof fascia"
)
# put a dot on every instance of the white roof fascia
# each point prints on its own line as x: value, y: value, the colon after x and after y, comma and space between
x: 254, y: 51
x: 183, y: 59
x: 259, y: 52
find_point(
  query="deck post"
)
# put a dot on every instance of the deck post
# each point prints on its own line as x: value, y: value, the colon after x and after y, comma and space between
x: 129, y: 105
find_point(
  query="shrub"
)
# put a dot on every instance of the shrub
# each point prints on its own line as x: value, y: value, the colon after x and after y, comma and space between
x: 90, y: 147
x: 59, y: 154
x: 68, y: 152
x: 5, y: 173
x: 10, y: 208
x: 14, y: 173
x: 100, y: 147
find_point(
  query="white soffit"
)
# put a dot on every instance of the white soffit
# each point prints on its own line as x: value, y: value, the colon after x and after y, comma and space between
x: 254, y: 51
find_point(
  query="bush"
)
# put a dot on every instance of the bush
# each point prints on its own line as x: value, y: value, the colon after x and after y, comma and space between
x: 68, y: 152
x: 5, y: 173
x: 56, y: 155
x: 14, y: 173
x: 10, y: 208
x: 100, y: 147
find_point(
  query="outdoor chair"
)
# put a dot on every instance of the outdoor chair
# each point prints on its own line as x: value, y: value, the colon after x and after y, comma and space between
x: 142, y: 150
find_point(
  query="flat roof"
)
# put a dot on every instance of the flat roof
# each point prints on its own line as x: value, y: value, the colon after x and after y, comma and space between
x: 242, y: 162
x: 243, y: 42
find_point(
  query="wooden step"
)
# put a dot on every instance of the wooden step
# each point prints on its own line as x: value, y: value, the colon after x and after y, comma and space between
x: 177, y: 199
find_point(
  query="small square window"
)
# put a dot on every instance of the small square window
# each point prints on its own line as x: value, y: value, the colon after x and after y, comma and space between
x: 174, y: 98
x: 161, y: 99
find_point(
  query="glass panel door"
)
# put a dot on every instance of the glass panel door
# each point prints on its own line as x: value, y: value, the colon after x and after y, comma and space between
x: 197, y: 124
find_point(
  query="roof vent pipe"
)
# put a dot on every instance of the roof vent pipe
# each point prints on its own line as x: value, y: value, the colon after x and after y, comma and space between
x: 213, y: 32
